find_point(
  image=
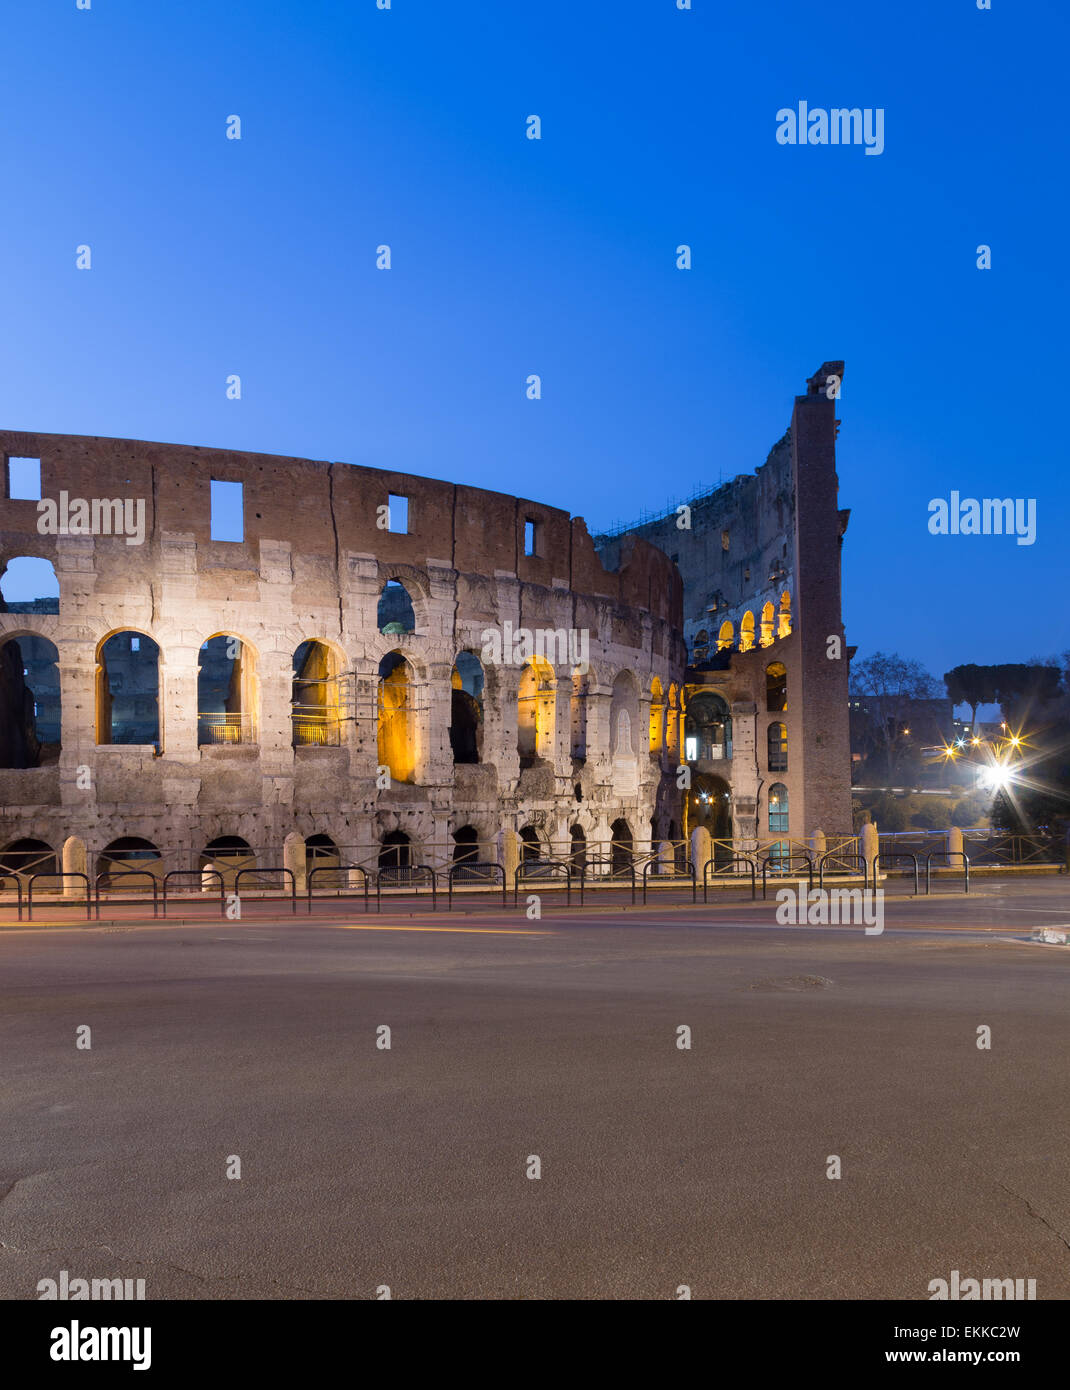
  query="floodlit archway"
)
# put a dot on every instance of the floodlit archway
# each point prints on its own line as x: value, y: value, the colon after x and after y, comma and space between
x: 30, y: 720
x: 726, y: 637
x: 128, y: 690
x: 767, y: 634
x: 226, y: 691
x: 784, y: 619
x: 776, y: 687
x: 314, y: 701
x: 707, y: 728
x: 397, y: 718
x: 746, y: 632
x: 657, y: 716
x: 535, y: 712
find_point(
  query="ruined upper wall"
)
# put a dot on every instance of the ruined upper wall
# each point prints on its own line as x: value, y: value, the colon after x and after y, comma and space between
x: 322, y: 509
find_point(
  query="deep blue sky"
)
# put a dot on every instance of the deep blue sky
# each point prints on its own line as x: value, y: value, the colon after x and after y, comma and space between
x: 512, y: 256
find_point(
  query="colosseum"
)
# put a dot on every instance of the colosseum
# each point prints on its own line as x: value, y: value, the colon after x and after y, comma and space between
x: 227, y: 660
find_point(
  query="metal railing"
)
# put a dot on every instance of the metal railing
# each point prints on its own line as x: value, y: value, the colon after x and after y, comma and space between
x: 345, y: 870
x: 668, y: 872
x: 619, y: 872
x: 259, y: 873
x: 108, y: 877
x: 224, y: 728
x: 783, y: 867
x: 18, y: 890
x: 549, y: 869
x: 947, y: 854
x: 66, y: 902
x: 199, y: 875
x: 476, y: 876
x: 847, y: 867
x: 883, y: 858
x: 717, y: 865
x: 406, y: 876
x: 315, y: 726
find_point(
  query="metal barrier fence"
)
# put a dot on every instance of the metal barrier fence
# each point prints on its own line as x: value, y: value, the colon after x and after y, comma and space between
x: 947, y: 854
x: 670, y: 872
x: 718, y: 870
x: 66, y: 902
x: 18, y: 889
x: 476, y: 876
x: 106, y: 879
x: 259, y: 873
x: 406, y: 876
x: 346, y: 870
x: 859, y: 859
x: 548, y: 869
x: 783, y: 868
x: 200, y: 875
x: 883, y: 858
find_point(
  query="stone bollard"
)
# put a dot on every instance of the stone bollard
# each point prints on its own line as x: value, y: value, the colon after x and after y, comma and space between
x: 870, y: 850
x: 701, y: 850
x: 294, y: 859
x: 73, y: 860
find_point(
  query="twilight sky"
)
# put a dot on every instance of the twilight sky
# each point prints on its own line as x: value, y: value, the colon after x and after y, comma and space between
x: 511, y: 256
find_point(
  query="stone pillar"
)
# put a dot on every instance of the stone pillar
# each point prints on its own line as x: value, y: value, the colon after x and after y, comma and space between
x: 177, y: 700
x: 510, y: 855
x: 954, y: 841
x: 870, y: 849
x: 434, y: 713
x: 666, y: 861
x: 293, y: 858
x: 74, y: 860
x: 701, y: 848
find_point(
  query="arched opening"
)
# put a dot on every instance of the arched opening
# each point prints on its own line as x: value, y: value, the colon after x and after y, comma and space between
x: 395, y: 851
x: 624, y: 715
x: 726, y: 637
x: 535, y: 712
x: 657, y: 717
x: 784, y: 621
x: 128, y: 690
x: 29, y: 585
x: 777, y: 742
x: 529, y: 845
x: 129, y: 854
x: 227, y: 855
x: 700, y: 648
x: 776, y: 687
x: 466, y: 709
x: 577, y: 715
x: 27, y: 857
x: 778, y: 820
x: 766, y: 637
x: 672, y: 721
x: 314, y: 699
x: 226, y: 691
x: 578, y: 847
x: 746, y: 632
x: 465, y: 845
x: 709, y: 804
x: 620, y: 847
x: 29, y: 702
x: 707, y: 728
x: 397, y: 718
x: 395, y: 612
x: 321, y: 852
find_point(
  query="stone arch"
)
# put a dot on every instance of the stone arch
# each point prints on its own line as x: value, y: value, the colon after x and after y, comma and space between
x: 766, y: 632
x: 395, y: 613
x: 321, y: 852
x: 228, y: 690
x: 129, y: 854
x: 315, y: 694
x: 746, y: 632
x: 467, y: 684
x: 577, y: 846
x: 29, y: 584
x: 536, y: 699
x: 396, y: 735
x: 656, y: 740
x: 465, y: 844
x: 709, y: 804
x: 726, y: 637
x: 530, y: 844
x: 28, y: 856
x: 620, y: 846
x: 227, y: 855
x: 30, y: 701
x: 776, y: 687
x: 784, y: 616
x: 577, y: 713
x: 128, y: 688
x: 707, y: 728
x: 395, y: 851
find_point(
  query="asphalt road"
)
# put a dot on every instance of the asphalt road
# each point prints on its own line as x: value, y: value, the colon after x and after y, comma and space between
x: 660, y: 1166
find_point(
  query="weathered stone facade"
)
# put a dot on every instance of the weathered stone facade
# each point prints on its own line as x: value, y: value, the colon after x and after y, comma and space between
x: 760, y: 562
x: 569, y: 750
